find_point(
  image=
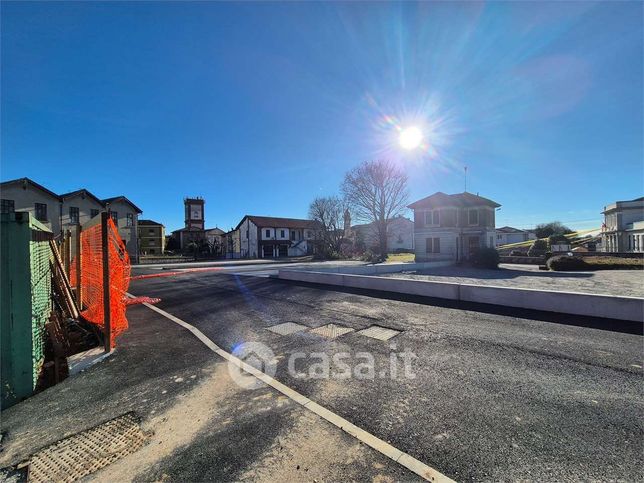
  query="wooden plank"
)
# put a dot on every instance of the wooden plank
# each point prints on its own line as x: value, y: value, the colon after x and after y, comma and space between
x: 66, y: 289
x: 67, y: 253
x: 107, y: 321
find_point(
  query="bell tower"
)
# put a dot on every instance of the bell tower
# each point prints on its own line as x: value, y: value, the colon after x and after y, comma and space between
x: 347, y: 222
x: 195, y: 218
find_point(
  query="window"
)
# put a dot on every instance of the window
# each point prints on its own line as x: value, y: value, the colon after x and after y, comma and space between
x: 246, y: 234
x: 151, y: 231
x: 74, y: 214
x: 293, y: 235
x: 282, y: 234
x: 433, y: 217
x: 432, y: 245
x: 268, y: 233
x: 8, y: 206
x: 41, y: 212
x: 115, y: 217
x: 309, y: 234
x: 151, y: 251
x: 129, y: 219
x: 152, y: 242
x: 498, y: 237
x: 473, y: 217
x: 93, y: 213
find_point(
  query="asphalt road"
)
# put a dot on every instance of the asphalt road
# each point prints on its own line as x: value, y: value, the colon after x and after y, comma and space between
x: 494, y: 396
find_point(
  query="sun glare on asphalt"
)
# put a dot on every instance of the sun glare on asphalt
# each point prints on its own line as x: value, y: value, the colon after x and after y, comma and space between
x: 410, y: 138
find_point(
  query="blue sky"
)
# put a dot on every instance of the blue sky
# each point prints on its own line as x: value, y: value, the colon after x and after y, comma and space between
x: 260, y: 107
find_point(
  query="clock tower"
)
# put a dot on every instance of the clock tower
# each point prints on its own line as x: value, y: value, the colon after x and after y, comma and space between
x: 194, y: 213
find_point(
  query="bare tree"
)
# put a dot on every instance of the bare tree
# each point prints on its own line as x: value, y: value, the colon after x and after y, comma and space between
x: 328, y: 212
x: 376, y: 192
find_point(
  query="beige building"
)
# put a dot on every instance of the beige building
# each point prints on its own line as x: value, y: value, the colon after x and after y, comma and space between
x: 62, y: 212
x: 26, y: 195
x: 151, y: 237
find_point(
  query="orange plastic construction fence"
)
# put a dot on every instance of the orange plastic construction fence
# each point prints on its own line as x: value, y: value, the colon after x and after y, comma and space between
x: 92, y: 277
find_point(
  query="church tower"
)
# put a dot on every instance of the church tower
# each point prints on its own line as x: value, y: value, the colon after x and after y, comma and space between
x: 194, y: 213
x: 347, y: 222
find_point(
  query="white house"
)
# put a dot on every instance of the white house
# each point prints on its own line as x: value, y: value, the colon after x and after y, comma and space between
x: 400, y: 234
x: 623, y: 227
x: 507, y: 235
x: 270, y: 237
x: 453, y: 227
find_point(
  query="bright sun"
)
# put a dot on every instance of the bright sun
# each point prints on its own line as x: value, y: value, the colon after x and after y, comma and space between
x: 410, y: 138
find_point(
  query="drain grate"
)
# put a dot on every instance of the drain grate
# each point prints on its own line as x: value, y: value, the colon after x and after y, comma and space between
x: 380, y: 333
x: 84, y: 453
x: 287, y: 328
x: 331, y: 331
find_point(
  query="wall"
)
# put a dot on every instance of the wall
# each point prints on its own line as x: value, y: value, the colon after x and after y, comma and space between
x: 447, y: 244
x: 610, y: 307
x: 127, y: 233
x: 24, y: 200
x: 151, y: 241
x: 84, y: 205
x: 248, y: 240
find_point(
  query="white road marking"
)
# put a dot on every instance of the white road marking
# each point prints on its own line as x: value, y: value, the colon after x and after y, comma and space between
x: 400, y: 457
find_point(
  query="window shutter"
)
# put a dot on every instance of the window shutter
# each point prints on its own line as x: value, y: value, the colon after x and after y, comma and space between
x: 418, y: 218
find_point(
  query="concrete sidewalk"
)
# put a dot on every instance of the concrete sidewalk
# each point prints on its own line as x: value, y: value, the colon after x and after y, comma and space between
x: 202, y: 425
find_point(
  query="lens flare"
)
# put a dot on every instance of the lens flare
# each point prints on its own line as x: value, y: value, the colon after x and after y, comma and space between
x: 410, y: 138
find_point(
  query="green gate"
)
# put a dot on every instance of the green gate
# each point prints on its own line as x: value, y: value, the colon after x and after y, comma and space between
x: 25, y: 302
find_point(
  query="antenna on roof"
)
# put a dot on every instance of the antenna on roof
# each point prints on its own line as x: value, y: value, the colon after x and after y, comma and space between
x: 465, y: 168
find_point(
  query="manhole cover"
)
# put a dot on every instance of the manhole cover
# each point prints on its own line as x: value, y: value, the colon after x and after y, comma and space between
x: 84, y: 453
x: 331, y: 331
x: 287, y: 328
x: 380, y: 333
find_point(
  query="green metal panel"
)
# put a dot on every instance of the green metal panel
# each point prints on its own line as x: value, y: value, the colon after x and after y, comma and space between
x: 25, y: 303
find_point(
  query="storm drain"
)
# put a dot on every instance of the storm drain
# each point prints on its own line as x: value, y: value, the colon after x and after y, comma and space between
x: 380, y: 333
x: 84, y: 453
x: 287, y: 328
x: 331, y: 331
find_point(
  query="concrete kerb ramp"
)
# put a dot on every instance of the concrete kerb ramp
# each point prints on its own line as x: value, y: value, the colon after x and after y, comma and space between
x: 574, y: 303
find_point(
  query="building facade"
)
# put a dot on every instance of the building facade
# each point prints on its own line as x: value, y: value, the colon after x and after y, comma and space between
x: 193, y: 232
x: 270, y: 237
x: 507, y: 235
x: 400, y: 235
x: 453, y: 227
x: 623, y: 227
x: 63, y: 212
x: 151, y: 237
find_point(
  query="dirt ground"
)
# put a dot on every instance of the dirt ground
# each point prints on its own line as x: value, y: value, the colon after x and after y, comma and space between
x: 612, y: 282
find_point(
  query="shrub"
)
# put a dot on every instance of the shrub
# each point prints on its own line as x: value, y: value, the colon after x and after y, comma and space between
x: 566, y: 263
x: 538, y: 248
x: 485, y: 258
x: 557, y: 238
x: 372, y: 257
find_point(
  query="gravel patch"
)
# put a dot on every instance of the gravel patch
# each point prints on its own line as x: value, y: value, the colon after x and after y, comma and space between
x: 611, y: 282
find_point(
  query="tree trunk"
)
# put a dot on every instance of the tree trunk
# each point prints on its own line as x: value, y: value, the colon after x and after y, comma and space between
x: 382, y: 233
